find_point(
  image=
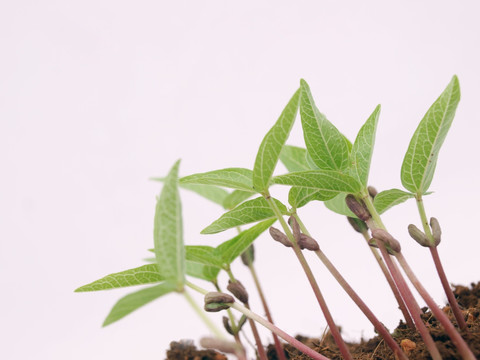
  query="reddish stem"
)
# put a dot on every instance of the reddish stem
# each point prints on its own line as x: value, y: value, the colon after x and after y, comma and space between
x: 362, y: 306
x: 278, y: 344
x: 448, y: 290
x: 391, y: 283
x: 457, y: 340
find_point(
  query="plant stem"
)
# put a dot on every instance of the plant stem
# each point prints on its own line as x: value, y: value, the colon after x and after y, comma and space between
x: 260, y: 349
x: 391, y: 283
x: 278, y: 344
x: 233, y: 323
x: 438, y: 265
x: 313, y: 283
x: 454, y: 335
x: 251, y: 315
x: 211, y: 326
x: 356, y: 299
x: 412, y: 305
x: 292, y: 341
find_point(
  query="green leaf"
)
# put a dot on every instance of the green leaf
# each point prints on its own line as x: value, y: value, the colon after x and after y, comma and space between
x: 201, y: 271
x: 235, y: 178
x: 421, y: 158
x: 146, y: 274
x: 168, y: 233
x: 209, y: 192
x: 236, y: 197
x: 271, y: 146
x: 384, y: 200
x: 247, y: 212
x: 233, y: 248
x: 135, y: 300
x: 300, y: 196
x: 327, y: 147
x: 330, y: 182
x: 294, y: 158
x: 339, y: 206
x: 204, y: 255
x: 362, y: 149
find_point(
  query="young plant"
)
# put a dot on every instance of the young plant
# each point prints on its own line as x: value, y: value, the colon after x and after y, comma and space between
x: 330, y: 169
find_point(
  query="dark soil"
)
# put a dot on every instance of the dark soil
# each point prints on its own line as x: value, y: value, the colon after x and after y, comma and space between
x: 375, y: 348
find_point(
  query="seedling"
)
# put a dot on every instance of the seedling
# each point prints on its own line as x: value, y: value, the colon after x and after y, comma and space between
x: 330, y: 169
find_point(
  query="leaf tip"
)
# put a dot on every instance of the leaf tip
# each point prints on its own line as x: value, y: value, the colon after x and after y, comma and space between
x: 303, y: 83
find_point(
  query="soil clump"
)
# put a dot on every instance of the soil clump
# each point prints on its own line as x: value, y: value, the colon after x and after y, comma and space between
x: 375, y: 348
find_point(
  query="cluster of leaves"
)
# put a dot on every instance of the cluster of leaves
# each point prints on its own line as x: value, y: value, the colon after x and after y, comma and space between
x: 328, y: 169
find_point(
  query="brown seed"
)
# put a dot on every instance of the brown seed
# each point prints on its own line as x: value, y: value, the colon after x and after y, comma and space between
x: 306, y: 242
x: 407, y: 345
x: 217, y: 301
x: 357, y: 224
x: 418, y: 235
x: 248, y: 256
x: 357, y: 208
x: 388, y: 239
x: 277, y: 235
x: 226, y: 325
x: 238, y: 290
x: 436, y: 230
x: 372, y: 191
x: 292, y: 221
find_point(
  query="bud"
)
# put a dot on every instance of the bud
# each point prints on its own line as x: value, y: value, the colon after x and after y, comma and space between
x: 357, y: 224
x: 436, y: 230
x: 248, y: 256
x: 384, y: 236
x: 238, y: 290
x: 217, y: 301
x: 219, y: 344
x: 357, y: 208
x: 418, y: 235
x: 307, y: 242
x: 372, y: 191
x: 277, y: 235
x: 292, y: 221
x: 226, y: 325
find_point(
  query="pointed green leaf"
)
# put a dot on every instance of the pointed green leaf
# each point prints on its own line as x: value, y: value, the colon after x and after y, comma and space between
x: 247, y: 212
x: 233, y: 248
x: 384, y: 200
x: 168, y: 232
x: 271, y: 146
x: 201, y: 271
x: 204, y: 255
x: 135, y: 300
x: 362, y: 149
x: 327, y: 147
x: 236, y: 197
x: 339, y: 206
x: 235, y: 178
x: 421, y: 158
x: 294, y: 158
x: 146, y: 274
x: 209, y: 192
x: 300, y: 196
x: 331, y: 182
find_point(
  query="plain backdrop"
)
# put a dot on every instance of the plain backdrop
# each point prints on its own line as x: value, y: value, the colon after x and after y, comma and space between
x: 98, y: 96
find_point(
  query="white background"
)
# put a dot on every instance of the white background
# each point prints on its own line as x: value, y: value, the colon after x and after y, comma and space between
x: 97, y: 96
